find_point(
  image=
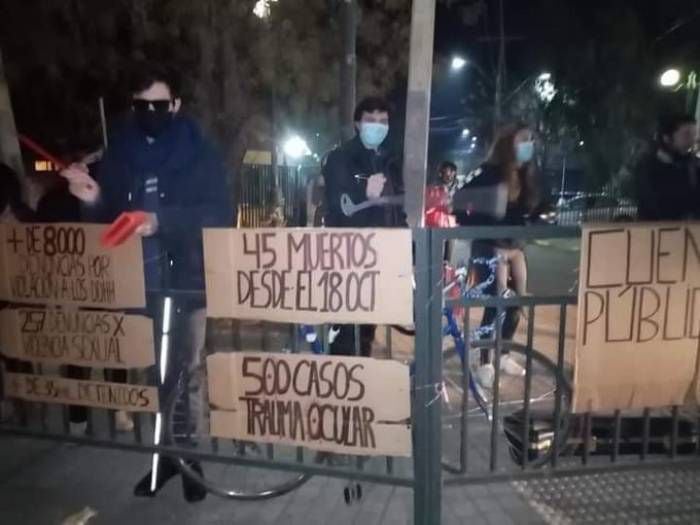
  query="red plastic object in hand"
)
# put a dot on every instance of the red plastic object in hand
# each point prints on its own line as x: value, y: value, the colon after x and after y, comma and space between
x: 123, y: 228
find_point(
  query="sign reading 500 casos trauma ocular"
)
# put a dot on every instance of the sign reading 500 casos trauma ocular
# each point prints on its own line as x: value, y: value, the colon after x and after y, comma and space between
x: 65, y: 264
x: 310, y: 275
x: 339, y: 404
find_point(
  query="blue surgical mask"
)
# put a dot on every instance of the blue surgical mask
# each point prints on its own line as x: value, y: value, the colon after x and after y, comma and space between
x: 372, y: 134
x: 524, y: 151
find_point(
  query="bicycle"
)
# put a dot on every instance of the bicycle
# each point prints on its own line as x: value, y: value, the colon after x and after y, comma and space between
x: 508, y: 396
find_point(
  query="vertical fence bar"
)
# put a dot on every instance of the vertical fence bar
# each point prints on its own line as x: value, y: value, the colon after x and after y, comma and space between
x: 586, y: 438
x: 464, y: 416
x: 674, y: 431
x: 645, y: 434
x: 427, y: 445
x: 617, y: 422
x: 493, y: 458
x: 388, y: 341
x: 558, y: 394
x: 525, y: 438
x: 138, y: 431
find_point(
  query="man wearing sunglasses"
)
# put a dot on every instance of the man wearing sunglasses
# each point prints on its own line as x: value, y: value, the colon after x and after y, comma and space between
x: 158, y: 161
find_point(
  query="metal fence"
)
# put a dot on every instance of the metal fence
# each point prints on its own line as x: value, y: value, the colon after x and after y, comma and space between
x: 273, y: 199
x: 525, y: 431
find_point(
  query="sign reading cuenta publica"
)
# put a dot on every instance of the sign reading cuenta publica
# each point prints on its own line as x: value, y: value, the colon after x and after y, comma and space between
x: 638, y: 317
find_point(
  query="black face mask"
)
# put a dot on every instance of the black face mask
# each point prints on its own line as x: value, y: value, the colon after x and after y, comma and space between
x: 153, y: 123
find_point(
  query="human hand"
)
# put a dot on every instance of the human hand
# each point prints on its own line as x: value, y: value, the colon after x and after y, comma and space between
x: 375, y: 185
x: 80, y: 183
x: 149, y: 226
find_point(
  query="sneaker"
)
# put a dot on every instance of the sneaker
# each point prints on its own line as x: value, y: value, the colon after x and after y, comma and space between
x: 123, y: 421
x: 511, y: 367
x: 485, y: 375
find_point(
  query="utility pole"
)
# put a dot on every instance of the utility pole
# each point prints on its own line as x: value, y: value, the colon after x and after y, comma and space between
x: 10, y: 152
x: 420, y: 72
x: 427, y: 492
x: 348, y: 68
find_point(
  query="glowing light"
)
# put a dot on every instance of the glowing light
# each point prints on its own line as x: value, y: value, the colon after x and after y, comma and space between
x: 670, y: 77
x: 457, y: 63
x: 296, y: 147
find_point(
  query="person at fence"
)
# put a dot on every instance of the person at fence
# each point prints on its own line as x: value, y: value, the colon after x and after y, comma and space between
x: 667, y: 178
x: 438, y: 198
x: 362, y: 170
x: 12, y: 210
x: 58, y: 204
x: 502, y: 192
x: 159, y: 161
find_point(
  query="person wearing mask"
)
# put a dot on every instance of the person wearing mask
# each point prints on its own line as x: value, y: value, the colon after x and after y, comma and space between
x: 502, y: 192
x: 667, y: 181
x: 158, y: 161
x: 363, y: 170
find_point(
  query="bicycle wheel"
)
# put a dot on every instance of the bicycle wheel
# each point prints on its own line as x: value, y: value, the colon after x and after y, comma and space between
x: 539, y: 388
x: 186, y: 426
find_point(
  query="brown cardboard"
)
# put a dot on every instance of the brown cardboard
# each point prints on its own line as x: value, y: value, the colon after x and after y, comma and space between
x: 639, y: 316
x: 365, y: 403
x: 77, y: 337
x: 47, y: 389
x: 64, y: 264
x: 310, y: 275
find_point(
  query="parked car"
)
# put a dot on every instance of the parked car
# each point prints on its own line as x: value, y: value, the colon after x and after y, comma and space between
x: 595, y: 208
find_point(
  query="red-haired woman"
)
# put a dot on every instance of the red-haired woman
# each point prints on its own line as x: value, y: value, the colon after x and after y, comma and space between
x: 502, y: 192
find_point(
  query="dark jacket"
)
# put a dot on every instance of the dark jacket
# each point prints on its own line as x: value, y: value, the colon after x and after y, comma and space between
x: 192, y: 191
x: 667, y: 187
x: 483, y: 201
x: 339, y: 172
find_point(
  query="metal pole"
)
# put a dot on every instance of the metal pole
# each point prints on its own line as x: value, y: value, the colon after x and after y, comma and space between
x: 348, y: 69
x: 427, y: 445
x: 10, y: 152
x: 420, y: 71
x: 103, y: 120
x: 563, y: 178
x: 697, y: 117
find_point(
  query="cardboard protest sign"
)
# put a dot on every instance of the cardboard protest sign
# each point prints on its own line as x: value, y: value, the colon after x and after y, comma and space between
x: 65, y: 264
x: 47, y: 389
x: 77, y: 337
x: 340, y: 404
x: 310, y: 275
x: 639, y: 316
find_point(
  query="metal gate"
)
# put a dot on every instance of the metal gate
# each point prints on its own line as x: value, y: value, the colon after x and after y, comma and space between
x: 454, y: 440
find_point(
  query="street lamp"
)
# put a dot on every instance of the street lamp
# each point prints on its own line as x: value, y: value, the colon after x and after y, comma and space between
x: 545, y: 88
x: 465, y: 133
x: 457, y: 63
x: 295, y: 147
x: 670, y: 78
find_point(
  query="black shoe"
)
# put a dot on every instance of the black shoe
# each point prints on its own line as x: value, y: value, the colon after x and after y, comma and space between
x: 166, y: 470
x: 191, y: 490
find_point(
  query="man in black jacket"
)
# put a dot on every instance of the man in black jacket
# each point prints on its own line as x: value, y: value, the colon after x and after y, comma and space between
x: 362, y: 170
x: 667, y: 179
x: 158, y: 161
